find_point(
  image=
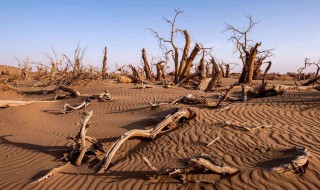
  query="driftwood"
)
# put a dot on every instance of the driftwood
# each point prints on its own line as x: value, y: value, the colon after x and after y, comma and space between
x: 68, y: 108
x: 170, y: 122
x: 11, y: 103
x: 187, y: 99
x: 233, y: 124
x: 202, y: 162
x: 51, y: 172
x: 72, y: 91
x: 296, y: 164
x: 143, y: 86
x: 125, y: 79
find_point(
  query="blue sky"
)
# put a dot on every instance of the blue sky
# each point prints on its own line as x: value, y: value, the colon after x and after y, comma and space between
x: 30, y: 27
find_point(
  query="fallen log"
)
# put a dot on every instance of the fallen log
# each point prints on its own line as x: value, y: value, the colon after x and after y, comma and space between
x: 170, y: 122
x: 12, y: 103
x: 72, y: 91
x: 202, y: 162
x: 187, y: 99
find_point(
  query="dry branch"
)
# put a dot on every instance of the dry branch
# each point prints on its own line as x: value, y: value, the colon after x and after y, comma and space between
x: 214, y: 140
x: 51, y: 172
x: 233, y: 124
x: 68, y: 108
x: 170, y: 122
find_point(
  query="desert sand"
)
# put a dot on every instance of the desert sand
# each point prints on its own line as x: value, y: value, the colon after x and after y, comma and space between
x: 33, y: 139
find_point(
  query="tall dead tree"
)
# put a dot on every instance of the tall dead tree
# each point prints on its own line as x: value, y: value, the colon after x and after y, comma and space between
x: 316, y: 76
x: 180, y: 70
x: 259, y: 62
x: 248, y: 52
x: 147, y: 69
x: 104, y: 64
x: 161, y: 73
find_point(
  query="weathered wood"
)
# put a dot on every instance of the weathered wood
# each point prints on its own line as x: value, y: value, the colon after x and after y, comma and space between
x: 189, y: 61
x: 72, y: 91
x: 83, y: 131
x: 68, y: 108
x: 147, y: 69
x: 12, y: 103
x: 170, y: 122
x: 104, y: 64
x: 184, y: 54
x: 248, y: 128
x: 297, y: 163
x: 51, y: 172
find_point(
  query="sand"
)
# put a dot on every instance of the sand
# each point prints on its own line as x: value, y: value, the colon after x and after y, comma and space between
x: 33, y: 139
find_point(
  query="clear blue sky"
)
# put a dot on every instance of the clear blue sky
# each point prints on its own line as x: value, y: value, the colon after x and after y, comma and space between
x: 30, y: 27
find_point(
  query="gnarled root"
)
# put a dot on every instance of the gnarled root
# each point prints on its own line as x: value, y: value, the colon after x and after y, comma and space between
x: 170, y: 122
x: 187, y: 99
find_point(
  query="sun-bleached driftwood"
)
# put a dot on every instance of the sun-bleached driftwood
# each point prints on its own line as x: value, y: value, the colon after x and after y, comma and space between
x: 187, y: 99
x: 214, y: 140
x: 143, y: 86
x: 296, y: 164
x: 102, y: 97
x: 51, y: 172
x: 72, y: 91
x: 248, y: 128
x: 170, y: 122
x: 82, y: 143
x: 202, y: 162
x: 12, y: 103
x: 68, y: 108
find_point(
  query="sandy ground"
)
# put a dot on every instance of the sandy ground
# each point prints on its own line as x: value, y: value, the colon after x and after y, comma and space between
x: 33, y: 139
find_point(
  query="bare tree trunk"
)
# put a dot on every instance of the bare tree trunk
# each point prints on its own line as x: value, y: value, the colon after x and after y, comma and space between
x: 135, y: 73
x: 176, y: 64
x: 104, y: 64
x: 146, y: 65
x: 265, y: 73
x: 190, y: 59
x: 257, y: 70
x: 252, y: 58
x: 160, y: 71
x: 227, y: 71
x: 222, y: 71
x: 216, y: 75
x: 185, y: 53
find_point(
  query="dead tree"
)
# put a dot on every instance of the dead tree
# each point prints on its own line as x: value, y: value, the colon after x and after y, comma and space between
x: 316, y: 76
x: 104, y: 64
x: 55, y: 61
x: 259, y: 61
x: 25, y: 68
x: 161, y: 73
x: 136, y: 75
x: 248, y: 53
x: 227, y: 71
x: 146, y: 66
x: 216, y: 75
x: 182, y: 70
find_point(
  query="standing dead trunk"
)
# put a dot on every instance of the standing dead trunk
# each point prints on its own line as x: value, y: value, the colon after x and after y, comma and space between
x: 190, y: 59
x: 53, y: 71
x: 104, y: 64
x: 227, y: 71
x: 252, y: 58
x: 135, y: 73
x: 257, y: 70
x: 176, y: 64
x: 222, y: 71
x: 265, y: 73
x: 160, y: 71
x: 216, y: 75
x: 185, y: 53
x: 146, y: 65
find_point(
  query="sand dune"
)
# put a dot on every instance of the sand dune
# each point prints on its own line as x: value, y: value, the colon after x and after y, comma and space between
x: 33, y: 139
